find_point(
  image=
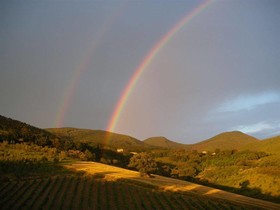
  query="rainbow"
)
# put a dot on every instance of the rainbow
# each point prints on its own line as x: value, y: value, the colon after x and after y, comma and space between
x: 71, y: 90
x: 83, y: 64
x: 148, y: 59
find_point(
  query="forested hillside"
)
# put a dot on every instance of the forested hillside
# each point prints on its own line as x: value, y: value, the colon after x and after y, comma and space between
x: 252, y: 173
x: 99, y: 137
x: 16, y: 131
x: 13, y: 132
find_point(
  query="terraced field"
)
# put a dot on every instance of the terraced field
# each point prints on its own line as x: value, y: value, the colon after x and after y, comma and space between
x: 107, y: 187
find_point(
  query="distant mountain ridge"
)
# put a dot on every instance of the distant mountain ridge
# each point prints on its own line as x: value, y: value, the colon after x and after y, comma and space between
x: 225, y: 141
x: 18, y: 131
x: 95, y: 137
x: 164, y: 143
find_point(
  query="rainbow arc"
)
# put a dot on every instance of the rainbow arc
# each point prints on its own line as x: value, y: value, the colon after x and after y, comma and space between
x: 148, y: 59
x: 63, y: 108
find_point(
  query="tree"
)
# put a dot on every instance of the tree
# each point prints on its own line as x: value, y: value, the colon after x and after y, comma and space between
x: 98, y: 153
x: 89, y: 155
x: 144, y: 163
x: 184, y: 170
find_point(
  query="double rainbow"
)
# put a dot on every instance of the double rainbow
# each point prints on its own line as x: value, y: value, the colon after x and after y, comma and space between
x: 148, y: 59
x: 63, y: 108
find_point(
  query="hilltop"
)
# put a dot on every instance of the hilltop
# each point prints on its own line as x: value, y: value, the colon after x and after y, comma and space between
x: 95, y: 137
x: 14, y: 130
x: 225, y: 141
x: 164, y: 143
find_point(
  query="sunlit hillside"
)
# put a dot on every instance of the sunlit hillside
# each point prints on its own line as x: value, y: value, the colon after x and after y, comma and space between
x: 225, y: 141
x: 270, y: 145
x: 95, y: 137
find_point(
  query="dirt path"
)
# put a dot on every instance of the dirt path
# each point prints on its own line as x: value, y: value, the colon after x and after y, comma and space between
x: 112, y: 173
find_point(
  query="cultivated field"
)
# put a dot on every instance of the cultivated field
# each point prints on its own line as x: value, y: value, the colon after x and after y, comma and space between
x: 107, y: 187
x: 166, y: 184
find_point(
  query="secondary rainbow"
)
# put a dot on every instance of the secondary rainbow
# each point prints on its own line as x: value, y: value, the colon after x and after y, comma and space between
x: 71, y: 90
x: 83, y: 64
x: 148, y: 59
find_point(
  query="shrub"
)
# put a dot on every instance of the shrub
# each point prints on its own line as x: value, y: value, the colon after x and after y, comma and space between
x: 144, y: 163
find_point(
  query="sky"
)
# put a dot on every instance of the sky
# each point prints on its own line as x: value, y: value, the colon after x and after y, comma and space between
x: 67, y: 64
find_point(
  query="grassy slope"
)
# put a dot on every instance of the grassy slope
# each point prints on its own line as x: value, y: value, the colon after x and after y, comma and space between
x: 225, y: 141
x: 165, y: 143
x: 100, y: 137
x: 270, y: 145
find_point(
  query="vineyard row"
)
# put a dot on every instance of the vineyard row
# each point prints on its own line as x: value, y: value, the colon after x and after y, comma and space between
x: 73, y: 192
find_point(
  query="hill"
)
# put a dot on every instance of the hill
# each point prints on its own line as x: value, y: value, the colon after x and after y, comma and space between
x: 95, y: 137
x: 164, y: 143
x: 270, y: 145
x: 15, y: 131
x: 225, y: 141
